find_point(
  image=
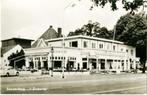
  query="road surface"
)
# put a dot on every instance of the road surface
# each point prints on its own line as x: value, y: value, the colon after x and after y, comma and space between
x: 76, y: 84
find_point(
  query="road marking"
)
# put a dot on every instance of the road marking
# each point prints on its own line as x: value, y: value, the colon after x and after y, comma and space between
x: 122, y: 89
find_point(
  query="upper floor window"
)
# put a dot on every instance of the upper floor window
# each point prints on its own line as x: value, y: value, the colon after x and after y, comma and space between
x: 93, y: 45
x: 73, y: 44
x: 85, y: 44
x: 100, y: 46
x: 127, y: 50
x: 114, y: 47
x: 121, y: 49
x: 132, y: 52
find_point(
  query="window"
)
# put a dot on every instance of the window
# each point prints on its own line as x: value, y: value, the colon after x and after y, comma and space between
x: 126, y: 50
x: 73, y: 44
x: 132, y: 52
x: 93, y: 45
x: 121, y: 49
x: 108, y: 46
x: 70, y: 44
x: 85, y: 44
x: 100, y: 46
x: 84, y: 59
x: 114, y: 47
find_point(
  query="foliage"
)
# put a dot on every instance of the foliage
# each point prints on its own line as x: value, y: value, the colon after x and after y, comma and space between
x: 93, y: 29
x: 127, y: 4
x: 15, y: 57
x: 132, y: 30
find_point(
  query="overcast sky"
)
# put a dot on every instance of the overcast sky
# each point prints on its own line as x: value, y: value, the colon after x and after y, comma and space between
x: 31, y: 18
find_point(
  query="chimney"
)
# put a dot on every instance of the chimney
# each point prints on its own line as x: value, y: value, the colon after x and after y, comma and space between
x: 59, y: 32
x: 50, y: 26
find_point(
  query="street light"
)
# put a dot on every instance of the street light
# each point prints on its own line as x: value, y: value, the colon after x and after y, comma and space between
x: 63, y: 43
x: 51, y: 69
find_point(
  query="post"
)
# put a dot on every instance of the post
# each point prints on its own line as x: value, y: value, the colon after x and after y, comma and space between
x: 63, y: 45
x: 52, y: 51
x: 14, y: 64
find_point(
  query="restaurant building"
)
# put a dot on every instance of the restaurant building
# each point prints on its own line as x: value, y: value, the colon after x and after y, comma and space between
x: 81, y: 52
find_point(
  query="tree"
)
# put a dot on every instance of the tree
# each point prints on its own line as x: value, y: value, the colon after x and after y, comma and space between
x: 103, y: 32
x: 131, y: 5
x: 93, y: 29
x: 17, y: 56
x: 132, y: 30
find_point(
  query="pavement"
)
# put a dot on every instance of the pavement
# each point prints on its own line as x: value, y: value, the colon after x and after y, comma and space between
x: 76, y: 84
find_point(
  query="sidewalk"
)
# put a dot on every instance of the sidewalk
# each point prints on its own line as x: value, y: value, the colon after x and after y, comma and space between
x: 68, y: 77
x: 28, y: 73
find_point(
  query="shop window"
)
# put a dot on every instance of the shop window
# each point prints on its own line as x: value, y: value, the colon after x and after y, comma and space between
x: 84, y: 59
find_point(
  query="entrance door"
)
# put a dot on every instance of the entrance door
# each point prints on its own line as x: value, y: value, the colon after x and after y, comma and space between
x: 71, y: 64
x: 31, y: 64
x: 39, y: 65
x: 84, y: 65
x: 45, y: 65
x: 102, y: 64
x: 57, y: 64
x: 93, y: 61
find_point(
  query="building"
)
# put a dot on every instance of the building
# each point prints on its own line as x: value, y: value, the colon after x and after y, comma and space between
x: 82, y: 52
x: 50, y: 33
x: 8, y: 44
x: 13, y: 45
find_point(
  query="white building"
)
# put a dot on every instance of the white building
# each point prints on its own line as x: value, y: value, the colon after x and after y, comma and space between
x: 82, y: 52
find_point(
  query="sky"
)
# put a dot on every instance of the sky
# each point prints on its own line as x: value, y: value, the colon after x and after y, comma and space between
x: 31, y: 18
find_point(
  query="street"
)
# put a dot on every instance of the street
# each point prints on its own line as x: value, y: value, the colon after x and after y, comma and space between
x: 76, y: 84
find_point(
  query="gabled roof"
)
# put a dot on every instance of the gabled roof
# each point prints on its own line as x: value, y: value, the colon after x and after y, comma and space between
x: 50, y: 33
x: 41, y: 43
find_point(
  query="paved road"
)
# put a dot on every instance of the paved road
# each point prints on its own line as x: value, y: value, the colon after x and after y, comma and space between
x: 86, y: 84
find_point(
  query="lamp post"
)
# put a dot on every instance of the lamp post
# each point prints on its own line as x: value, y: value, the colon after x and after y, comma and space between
x: 63, y: 42
x: 51, y: 69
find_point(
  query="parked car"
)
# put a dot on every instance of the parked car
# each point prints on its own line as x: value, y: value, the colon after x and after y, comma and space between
x: 33, y: 70
x: 8, y: 71
x: 44, y: 71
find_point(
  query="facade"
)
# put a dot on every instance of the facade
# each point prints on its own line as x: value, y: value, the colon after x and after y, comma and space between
x: 82, y: 52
